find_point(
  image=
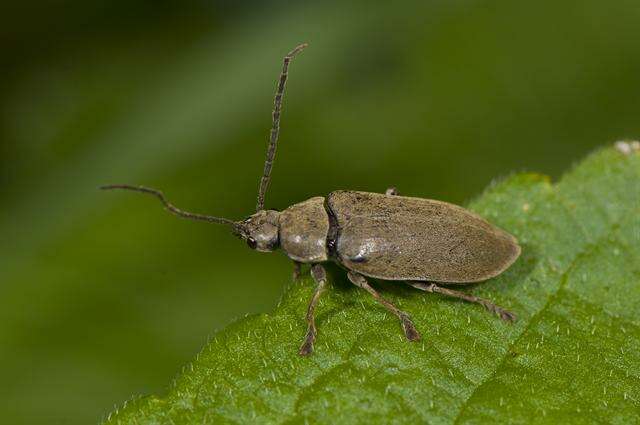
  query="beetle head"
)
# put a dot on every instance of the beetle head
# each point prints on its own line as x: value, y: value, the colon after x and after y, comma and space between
x: 261, y: 230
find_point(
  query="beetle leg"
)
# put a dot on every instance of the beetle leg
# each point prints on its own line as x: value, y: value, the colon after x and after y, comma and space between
x: 432, y: 287
x: 320, y: 276
x: 410, y: 330
x: 297, y: 270
x: 392, y: 191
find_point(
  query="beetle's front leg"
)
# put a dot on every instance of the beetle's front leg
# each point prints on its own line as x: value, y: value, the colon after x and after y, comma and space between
x: 410, y: 330
x: 320, y: 276
x: 505, y: 315
x: 297, y: 270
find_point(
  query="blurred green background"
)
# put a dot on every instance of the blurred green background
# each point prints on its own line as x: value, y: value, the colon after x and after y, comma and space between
x: 104, y: 296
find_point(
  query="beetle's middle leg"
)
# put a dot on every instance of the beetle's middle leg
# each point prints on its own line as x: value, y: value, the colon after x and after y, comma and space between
x: 320, y: 276
x: 432, y: 287
x: 410, y: 330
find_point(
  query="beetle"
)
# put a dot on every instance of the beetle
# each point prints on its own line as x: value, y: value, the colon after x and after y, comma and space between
x: 371, y: 235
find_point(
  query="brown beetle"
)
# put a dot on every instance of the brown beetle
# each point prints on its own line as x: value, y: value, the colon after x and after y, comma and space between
x: 381, y: 236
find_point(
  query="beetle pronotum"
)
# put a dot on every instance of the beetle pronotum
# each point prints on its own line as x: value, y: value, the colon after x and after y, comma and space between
x: 381, y: 236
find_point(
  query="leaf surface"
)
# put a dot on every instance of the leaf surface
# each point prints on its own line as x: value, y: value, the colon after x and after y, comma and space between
x: 573, y: 355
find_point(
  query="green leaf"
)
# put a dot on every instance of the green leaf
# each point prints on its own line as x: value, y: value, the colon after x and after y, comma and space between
x: 573, y: 355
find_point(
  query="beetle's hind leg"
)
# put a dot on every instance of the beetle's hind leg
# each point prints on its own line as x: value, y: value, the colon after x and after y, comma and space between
x: 320, y: 276
x: 410, y: 330
x: 505, y: 315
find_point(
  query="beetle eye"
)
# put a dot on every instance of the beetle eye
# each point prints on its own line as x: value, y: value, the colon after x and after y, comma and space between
x: 252, y: 243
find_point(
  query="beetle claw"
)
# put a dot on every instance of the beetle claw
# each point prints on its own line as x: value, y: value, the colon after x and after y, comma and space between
x: 410, y: 330
x: 306, y: 349
x: 307, y: 346
x: 507, y: 316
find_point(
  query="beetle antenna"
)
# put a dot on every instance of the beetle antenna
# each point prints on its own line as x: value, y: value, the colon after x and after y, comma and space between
x: 169, y: 206
x: 275, y: 126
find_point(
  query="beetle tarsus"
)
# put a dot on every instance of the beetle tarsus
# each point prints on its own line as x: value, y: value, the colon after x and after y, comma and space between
x: 408, y: 327
x: 505, y: 315
x: 307, y: 346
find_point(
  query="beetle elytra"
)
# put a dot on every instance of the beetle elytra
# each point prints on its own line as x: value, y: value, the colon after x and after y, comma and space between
x: 371, y: 235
